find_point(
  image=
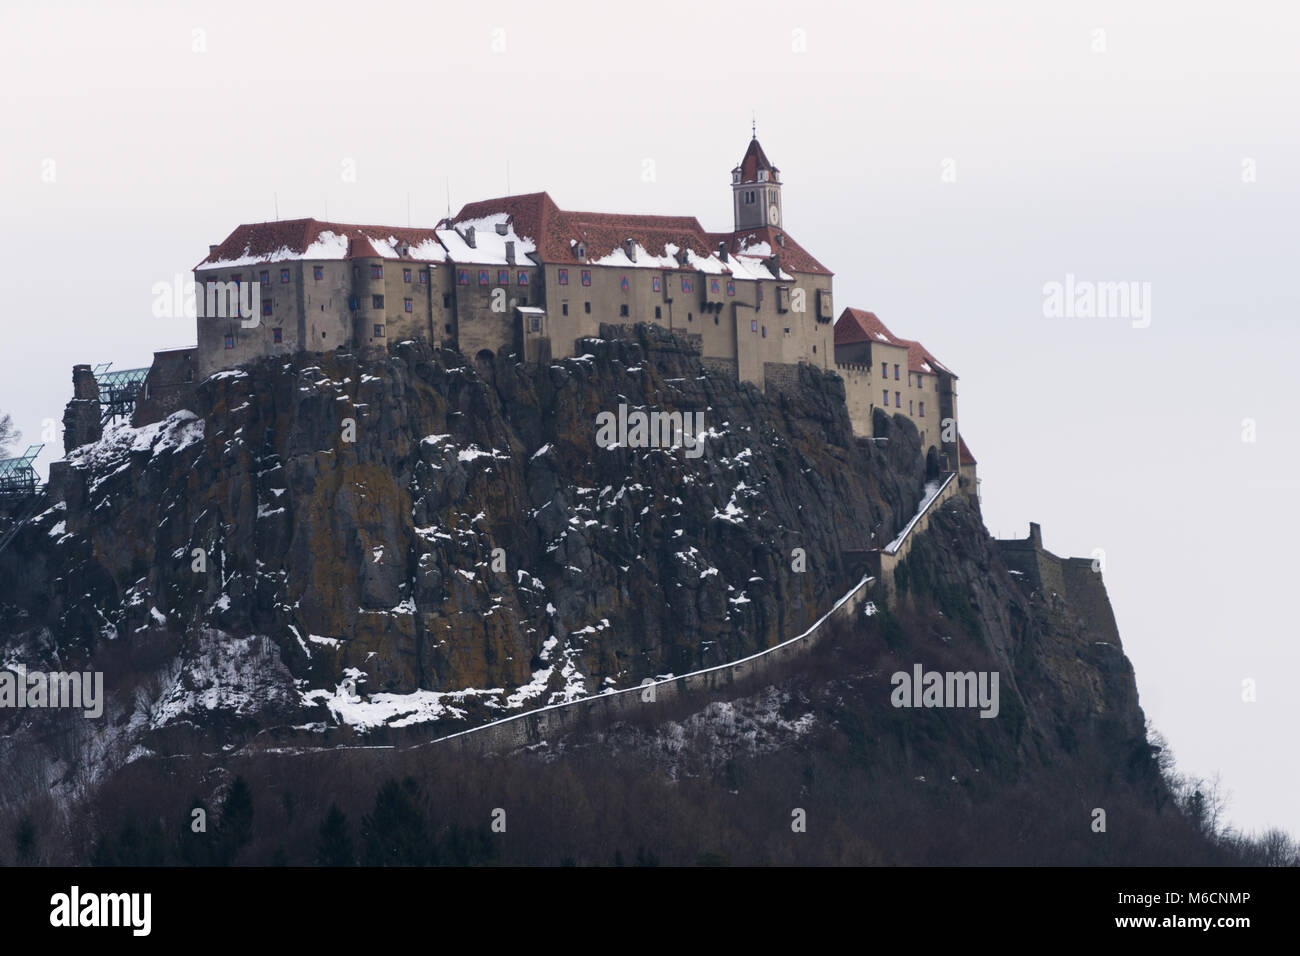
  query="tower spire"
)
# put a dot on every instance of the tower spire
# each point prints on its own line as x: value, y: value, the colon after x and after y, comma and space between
x: 753, y: 126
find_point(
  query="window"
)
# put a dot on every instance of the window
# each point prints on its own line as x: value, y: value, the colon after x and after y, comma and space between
x: 909, y: 406
x: 317, y: 272
x: 266, y: 307
x: 765, y: 331
x: 448, y: 328
x: 753, y: 325
x: 352, y: 302
x: 622, y: 310
x: 523, y: 298
x: 230, y: 341
x: 462, y: 277
x: 714, y: 286
x: 656, y: 283
x: 884, y: 369
x: 659, y: 312
x: 564, y: 308
x: 586, y: 307
x: 622, y: 283
x: 715, y: 320
x: 895, y: 373
x: 277, y: 335
x: 923, y: 409
x: 409, y: 304
x: 731, y: 287
x: 379, y: 332
x: 898, y: 400
x: 424, y: 278
x: 264, y: 277
x: 376, y: 301
x: 586, y: 277
x: 483, y: 277
x: 686, y: 284
x: 690, y: 316
x: 284, y: 275
x: 535, y: 324
x: 406, y: 275
x: 376, y: 272
x: 563, y: 277
x: 446, y: 301
x: 787, y: 331
x: 503, y: 277
x: 886, y: 393
x: 523, y: 278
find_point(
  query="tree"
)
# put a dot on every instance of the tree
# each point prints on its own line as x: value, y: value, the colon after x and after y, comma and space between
x: 396, y: 832
x: 9, y: 435
x: 334, y: 840
x: 237, y: 816
x: 25, y: 840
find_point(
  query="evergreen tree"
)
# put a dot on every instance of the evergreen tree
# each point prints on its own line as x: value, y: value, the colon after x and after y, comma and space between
x: 334, y: 840
x: 396, y: 832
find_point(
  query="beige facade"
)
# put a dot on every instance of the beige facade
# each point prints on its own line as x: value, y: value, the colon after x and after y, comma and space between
x: 519, y: 276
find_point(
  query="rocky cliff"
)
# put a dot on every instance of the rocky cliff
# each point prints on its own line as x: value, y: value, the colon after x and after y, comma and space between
x: 404, y: 546
x: 411, y: 539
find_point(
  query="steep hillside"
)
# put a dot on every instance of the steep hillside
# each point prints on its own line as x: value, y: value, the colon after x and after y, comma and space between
x: 332, y: 550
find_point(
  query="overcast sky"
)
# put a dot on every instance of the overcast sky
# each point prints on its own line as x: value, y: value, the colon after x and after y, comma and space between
x: 946, y: 161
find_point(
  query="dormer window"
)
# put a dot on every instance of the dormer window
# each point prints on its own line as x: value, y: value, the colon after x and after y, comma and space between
x: 582, y: 250
x: 762, y: 175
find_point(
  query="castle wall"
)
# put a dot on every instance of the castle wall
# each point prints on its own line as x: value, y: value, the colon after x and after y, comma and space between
x: 168, y: 386
x: 478, y: 325
x: 535, y: 726
x: 876, y: 374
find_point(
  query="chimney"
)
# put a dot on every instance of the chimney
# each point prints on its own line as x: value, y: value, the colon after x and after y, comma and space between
x: 212, y: 248
x: 629, y: 248
x: 468, y: 236
x: 722, y: 249
x: 502, y: 228
x: 510, y: 251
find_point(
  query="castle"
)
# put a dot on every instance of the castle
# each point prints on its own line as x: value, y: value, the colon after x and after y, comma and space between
x: 518, y: 275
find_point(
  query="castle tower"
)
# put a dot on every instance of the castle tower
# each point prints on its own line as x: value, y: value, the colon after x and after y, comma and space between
x: 756, y: 190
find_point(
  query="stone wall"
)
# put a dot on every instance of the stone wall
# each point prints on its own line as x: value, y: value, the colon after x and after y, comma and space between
x: 887, y: 559
x: 536, y: 726
x: 780, y: 377
x: 81, y: 418
x: 168, y: 387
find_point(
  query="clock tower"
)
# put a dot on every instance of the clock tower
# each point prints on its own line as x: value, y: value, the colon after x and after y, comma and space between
x: 756, y: 190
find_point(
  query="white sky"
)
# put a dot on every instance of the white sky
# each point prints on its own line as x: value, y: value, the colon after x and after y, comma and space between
x: 1117, y: 165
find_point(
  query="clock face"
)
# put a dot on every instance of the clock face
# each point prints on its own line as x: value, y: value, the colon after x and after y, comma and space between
x: 773, y: 214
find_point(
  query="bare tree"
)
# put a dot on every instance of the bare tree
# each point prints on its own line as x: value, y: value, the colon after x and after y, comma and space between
x: 9, y: 435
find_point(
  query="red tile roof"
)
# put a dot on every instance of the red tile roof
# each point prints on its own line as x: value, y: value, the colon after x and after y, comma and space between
x: 964, y: 457
x: 290, y: 238
x: 858, y: 325
x: 557, y: 231
x: 754, y: 160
